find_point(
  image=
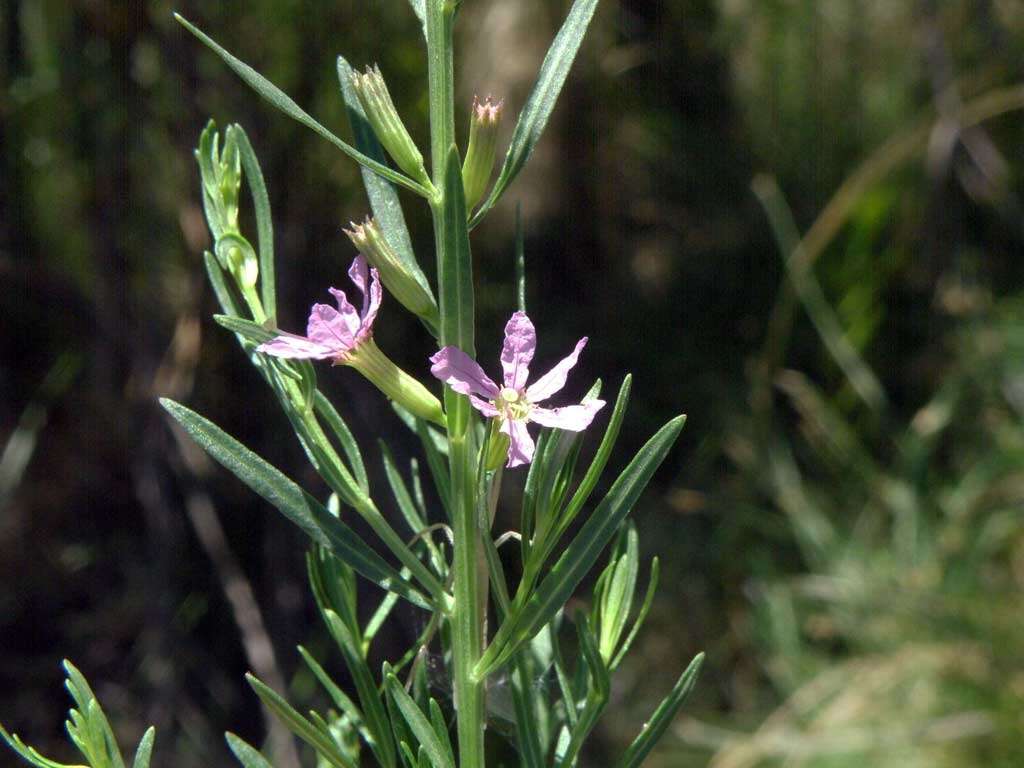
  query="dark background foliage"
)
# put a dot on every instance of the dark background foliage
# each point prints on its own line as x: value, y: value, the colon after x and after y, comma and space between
x: 163, y: 578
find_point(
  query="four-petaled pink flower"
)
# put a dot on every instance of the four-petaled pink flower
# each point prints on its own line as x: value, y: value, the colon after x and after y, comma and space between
x: 515, y: 404
x: 333, y: 334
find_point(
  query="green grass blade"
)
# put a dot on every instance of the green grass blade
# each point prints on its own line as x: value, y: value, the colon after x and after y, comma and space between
x: 662, y: 717
x: 541, y: 102
x: 294, y: 503
x: 284, y: 102
x: 581, y: 554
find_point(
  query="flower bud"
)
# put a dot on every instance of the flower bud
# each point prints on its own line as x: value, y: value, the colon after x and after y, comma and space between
x: 409, y: 291
x: 237, y: 256
x: 221, y: 174
x: 394, y: 382
x: 380, y: 111
x: 483, y: 138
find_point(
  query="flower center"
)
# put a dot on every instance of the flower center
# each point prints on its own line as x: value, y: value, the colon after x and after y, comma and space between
x: 512, y: 404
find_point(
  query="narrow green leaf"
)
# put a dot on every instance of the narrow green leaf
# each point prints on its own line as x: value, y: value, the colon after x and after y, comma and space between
x: 441, y: 729
x: 598, y: 688
x: 145, y: 749
x: 541, y: 102
x: 247, y: 754
x: 383, y: 197
x: 552, y: 593
x: 440, y: 757
x: 645, y: 607
x: 401, y: 492
x: 284, y: 102
x: 294, y: 503
x: 661, y: 719
x: 228, y: 303
x: 341, y: 699
x: 264, y: 221
x: 437, y: 463
x: 300, y: 726
x: 455, y: 263
x: 349, y: 446
x: 254, y: 332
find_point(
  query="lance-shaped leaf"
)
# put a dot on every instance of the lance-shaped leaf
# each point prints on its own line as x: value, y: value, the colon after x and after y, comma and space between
x: 284, y: 102
x: 264, y: 223
x: 439, y: 753
x: 541, y: 102
x: 145, y: 749
x: 247, y: 754
x: 581, y: 554
x: 455, y: 264
x: 387, y: 208
x: 661, y: 719
x: 293, y: 502
x: 314, y: 735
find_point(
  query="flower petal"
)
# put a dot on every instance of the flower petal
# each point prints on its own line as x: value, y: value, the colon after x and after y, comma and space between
x: 292, y: 346
x: 486, y: 408
x: 574, y: 418
x: 359, y: 274
x: 552, y: 381
x: 370, y: 315
x: 346, y: 310
x: 520, y: 444
x: 517, y: 352
x: 461, y: 372
x: 330, y: 328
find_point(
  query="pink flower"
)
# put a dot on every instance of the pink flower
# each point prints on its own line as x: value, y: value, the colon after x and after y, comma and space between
x: 332, y: 334
x: 515, y: 404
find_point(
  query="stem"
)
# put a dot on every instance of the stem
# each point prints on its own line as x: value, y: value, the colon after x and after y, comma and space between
x: 448, y: 206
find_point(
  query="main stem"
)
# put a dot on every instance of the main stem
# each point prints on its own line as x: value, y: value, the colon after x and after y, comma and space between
x: 469, y: 585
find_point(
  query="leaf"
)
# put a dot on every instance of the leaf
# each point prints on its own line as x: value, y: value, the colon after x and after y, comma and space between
x: 247, y: 755
x: 225, y: 297
x: 661, y: 719
x: 264, y: 221
x: 145, y: 750
x: 440, y: 756
x: 455, y: 263
x: 645, y: 607
x: 300, y: 726
x: 441, y: 728
x: 325, y: 408
x: 339, y: 697
x: 284, y: 102
x: 383, y: 197
x: 541, y: 102
x: 552, y: 593
x: 293, y: 502
x: 247, y: 329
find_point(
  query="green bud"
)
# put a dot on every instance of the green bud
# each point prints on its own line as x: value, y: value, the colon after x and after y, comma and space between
x: 483, y: 138
x: 237, y: 256
x: 394, y: 382
x: 221, y: 174
x: 380, y: 111
x: 401, y: 284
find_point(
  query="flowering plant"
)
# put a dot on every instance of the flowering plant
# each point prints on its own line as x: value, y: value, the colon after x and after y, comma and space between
x: 470, y: 436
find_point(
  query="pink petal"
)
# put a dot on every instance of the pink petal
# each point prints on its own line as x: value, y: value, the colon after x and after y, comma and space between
x: 574, y: 418
x: 520, y: 446
x: 289, y: 345
x: 358, y: 273
x: 517, y: 352
x: 370, y: 314
x: 330, y: 328
x: 461, y: 372
x: 486, y: 408
x: 552, y: 381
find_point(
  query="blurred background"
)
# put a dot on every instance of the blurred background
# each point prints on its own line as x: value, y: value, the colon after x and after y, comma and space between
x: 799, y: 221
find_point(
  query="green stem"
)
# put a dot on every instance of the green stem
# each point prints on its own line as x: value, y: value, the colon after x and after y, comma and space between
x: 448, y: 208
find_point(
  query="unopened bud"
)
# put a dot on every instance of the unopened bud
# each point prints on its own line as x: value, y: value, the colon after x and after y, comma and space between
x: 483, y: 139
x: 380, y: 111
x: 221, y: 174
x: 497, y: 449
x: 237, y: 256
x: 401, y: 284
